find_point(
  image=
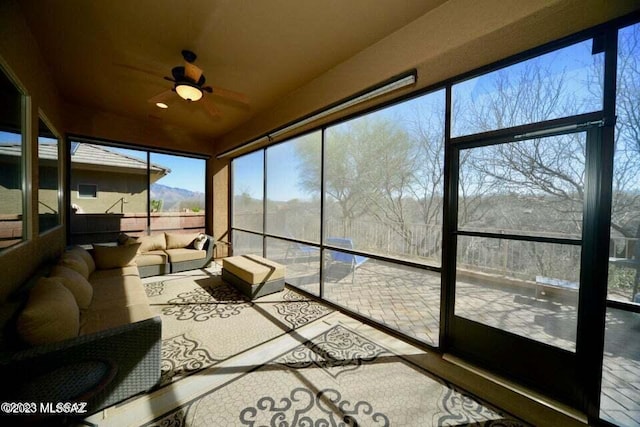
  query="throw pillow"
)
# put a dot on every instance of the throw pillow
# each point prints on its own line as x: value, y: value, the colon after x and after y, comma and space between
x: 86, y: 256
x: 123, y: 239
x: 74, y: 262
x: 115, y: 256
x: 180, y: 240
x: 199, y: 242
x: 76, y: 283
x: 152, y: 243
x: 51, y: 314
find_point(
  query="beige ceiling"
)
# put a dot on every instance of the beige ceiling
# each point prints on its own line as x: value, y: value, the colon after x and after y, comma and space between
x: 112, y: 54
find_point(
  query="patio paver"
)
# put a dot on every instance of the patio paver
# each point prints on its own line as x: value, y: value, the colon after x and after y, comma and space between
x: 409, y: 301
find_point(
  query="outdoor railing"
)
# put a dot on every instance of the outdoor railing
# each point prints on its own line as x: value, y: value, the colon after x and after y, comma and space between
x: 519, y: 260
x: 101, y: 228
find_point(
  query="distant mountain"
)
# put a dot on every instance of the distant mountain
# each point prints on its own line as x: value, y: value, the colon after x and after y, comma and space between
x: 176, y: 199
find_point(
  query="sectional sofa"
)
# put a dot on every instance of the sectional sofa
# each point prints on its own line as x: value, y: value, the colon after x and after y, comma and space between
x: 81, y: 331
x: 170, y: 252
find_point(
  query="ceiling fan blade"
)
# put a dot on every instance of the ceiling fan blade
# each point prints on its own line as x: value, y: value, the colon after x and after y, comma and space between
x: 231, y: 95
x: 192, y: 72
x: 161, y: 97
x: 210, y: 108
x: 138, y: 69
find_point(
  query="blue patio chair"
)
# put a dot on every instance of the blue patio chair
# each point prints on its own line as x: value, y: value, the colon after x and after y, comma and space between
x: 343, y: 258
x: 300, y: 250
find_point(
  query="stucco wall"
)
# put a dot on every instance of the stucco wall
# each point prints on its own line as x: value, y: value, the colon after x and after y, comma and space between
x: 117, y: 192
x: 219, y: 178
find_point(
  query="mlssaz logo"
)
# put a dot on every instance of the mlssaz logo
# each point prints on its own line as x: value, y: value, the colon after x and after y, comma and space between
x: 63, y: 408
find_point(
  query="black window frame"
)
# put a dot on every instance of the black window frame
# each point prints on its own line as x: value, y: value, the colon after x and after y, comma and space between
x: 71, y: 143
x: 597, y: 222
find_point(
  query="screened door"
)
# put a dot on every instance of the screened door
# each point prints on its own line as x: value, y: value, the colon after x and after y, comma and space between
x: 518, y: 244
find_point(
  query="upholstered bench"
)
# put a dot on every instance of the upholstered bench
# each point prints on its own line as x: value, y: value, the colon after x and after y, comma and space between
x: 253, y: 275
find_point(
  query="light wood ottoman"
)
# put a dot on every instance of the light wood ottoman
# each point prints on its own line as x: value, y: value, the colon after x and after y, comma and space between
x: 253, y: 275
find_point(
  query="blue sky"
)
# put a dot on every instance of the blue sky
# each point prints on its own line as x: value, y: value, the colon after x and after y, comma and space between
x: 284, y: 168
x: 186, y: 172
x: 9, y: 138
x: 283, y: 174
x: 248, y: 174
x: 575, y: 61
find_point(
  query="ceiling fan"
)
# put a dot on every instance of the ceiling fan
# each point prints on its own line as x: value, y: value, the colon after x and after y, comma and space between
x: 188, y: 82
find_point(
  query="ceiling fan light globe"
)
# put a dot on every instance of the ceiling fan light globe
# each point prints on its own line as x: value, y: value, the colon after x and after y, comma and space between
x: 188, y: 92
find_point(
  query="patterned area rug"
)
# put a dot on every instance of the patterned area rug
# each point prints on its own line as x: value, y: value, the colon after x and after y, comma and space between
x: 205, y: 320
x: 338, y: 378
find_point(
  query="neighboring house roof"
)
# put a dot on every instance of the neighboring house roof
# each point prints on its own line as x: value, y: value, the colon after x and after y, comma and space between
x: 89, y: 154
x: 11, y: 150
x: 100, y: 155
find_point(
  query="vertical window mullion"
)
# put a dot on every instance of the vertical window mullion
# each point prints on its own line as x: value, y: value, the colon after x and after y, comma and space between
x: 27, y: 170
x: 449, y: 215
x: 596, y: 236
x: 231, y: 196
x: 264, y: 202
x: 593, y: 280
x: 148, y: 193
x: 322, y: 210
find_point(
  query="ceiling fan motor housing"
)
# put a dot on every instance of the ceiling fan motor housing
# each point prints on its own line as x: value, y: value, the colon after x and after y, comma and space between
x: 188, y: 82
x: 180, y: 76
x: 189, y: 56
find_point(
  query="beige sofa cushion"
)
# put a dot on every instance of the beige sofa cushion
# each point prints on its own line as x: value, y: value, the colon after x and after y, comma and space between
x: 119, y: 299
x: 51, y: 314
x: 152, y: 258
x: 108, y: 257
x: 86, y: 256
x: 182, y: 254
x: 117, y: 291
x: 75, y: 262
x: 76, y: 283
x: 152, y: 243
x: 105, y: 318
x: 253, y: 269
x: 180, y: 240
x: 130, y: 270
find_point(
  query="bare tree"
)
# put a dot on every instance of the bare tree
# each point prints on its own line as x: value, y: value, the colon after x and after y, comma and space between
x: 551, y: 171
x: 547, y: 170
x: 625, y: 217
x: 391, y: 169
x: 426, y: 131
